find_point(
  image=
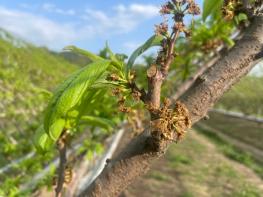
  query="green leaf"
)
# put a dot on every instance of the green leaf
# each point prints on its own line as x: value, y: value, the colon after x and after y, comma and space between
x: 98, y: 122
x: 113, y: 57
x: 42, y: 141
x: 152, y: 41
x: 70, y: 94
x: 121, y: 56
x: 210, y: 7
x: 56, y: 129
x: 89, y: 155
x: 228, y: 41
x: 88, y: 54
x: 99, y: 148
x: 242, y: 17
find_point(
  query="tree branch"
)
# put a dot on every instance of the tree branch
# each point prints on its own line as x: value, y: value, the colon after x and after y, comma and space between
x: 188, y: 83
x: 155, y: 80
x: 62, y: 148
x: 220, y: 77
x: 137, y: 156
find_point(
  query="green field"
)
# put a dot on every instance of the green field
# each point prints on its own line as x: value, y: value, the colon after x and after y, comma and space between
x: 27, y: 73
x: 245, y: 131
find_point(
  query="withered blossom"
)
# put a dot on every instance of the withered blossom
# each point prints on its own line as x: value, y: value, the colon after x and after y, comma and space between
x: 167, y: 8
x: 161, y: 29
x: 194, y: 9
x: 179, y: 26
x: 180, y: 2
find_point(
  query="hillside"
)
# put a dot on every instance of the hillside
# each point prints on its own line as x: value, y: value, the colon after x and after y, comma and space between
x: 26, y: 73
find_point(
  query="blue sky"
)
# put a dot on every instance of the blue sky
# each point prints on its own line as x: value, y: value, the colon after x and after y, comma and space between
x: 84, y: 23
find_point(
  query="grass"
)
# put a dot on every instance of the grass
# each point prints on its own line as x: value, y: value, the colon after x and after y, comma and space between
x: 186, y: 194
x: 246, y: 96
x: 197, y: 166
x: 175, y: 160
x: 202, y: 167
x: 159, y: 176
x: 232, y: 152
x: 246, y: 131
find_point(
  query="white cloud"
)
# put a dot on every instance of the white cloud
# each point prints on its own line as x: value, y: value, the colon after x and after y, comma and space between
x: 36, y: 29
x: 131, y: 45
x: 144, y: 10
x: 125, y: 18
x: 54, y: 9
x: 43, y: 31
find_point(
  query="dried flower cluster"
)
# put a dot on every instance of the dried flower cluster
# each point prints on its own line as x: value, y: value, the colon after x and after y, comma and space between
x: 125, y: 89
x: 171, y: 6
x: 211, y: 45
x: 229, y: 9
x: 113, y: 77
x: 172, y: 123
x: 178, y: 9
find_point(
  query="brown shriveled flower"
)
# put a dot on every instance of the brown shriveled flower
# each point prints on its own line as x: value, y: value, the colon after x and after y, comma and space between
x: 166, y: 103
x: 161, y: 29
x: 151, y: 109
x: 112, y: 77
x: 167, y: 8
x: 136, y: 95
x: 179, y: 26
x: 181, y: 119
x: 172, y: 123
x: 211, y: 45
x: 187, y: 32
x: 229, y: 9
x: 193, y: 8
x: 228, y: 14
x: 124, y: 109
x: 180, y: 2
x: 116, y: 91
x: 68, y: 174
x: 121, y: 101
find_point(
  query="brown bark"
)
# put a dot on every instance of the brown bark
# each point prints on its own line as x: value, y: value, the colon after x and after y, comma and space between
x: 188, y: 83
x: 155, y: 81
x: 137, y: 156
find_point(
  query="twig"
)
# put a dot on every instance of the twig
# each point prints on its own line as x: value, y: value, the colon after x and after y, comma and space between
x: 62, y: 148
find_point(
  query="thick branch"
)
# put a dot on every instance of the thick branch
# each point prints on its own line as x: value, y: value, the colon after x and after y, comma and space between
x: 188, y: 83
x: 137, y: 156
x: 220, y: 77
